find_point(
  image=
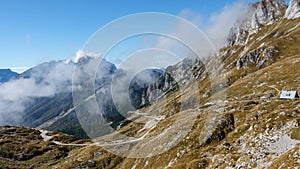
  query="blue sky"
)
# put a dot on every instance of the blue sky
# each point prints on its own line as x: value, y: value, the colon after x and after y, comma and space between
x: 35, y: 31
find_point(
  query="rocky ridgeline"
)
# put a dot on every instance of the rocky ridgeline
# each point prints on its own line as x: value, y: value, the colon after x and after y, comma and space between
x: 174, y: 77
x: 261, y: 13
x: 293, y: 10
x: 257, y: 15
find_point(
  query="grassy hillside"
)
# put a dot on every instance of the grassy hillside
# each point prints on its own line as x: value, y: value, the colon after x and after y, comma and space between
x: 256, y: 129
x: 253, y: 127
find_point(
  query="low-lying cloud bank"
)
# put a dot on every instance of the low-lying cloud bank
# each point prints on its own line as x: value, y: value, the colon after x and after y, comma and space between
x: 51, y: 78
x: 44, y: 80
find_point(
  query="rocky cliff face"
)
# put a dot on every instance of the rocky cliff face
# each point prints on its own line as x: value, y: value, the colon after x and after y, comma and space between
x: 174, y: 77
x: 186, y: 70
x: 145, y: 87
x: 257, y: 14
x: 293, y: 10
x: 257, y: 58
x: 251, y: 130
x: 145, y: 92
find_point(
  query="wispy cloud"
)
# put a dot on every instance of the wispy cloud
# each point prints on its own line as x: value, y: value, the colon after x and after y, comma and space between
x: 215, y: 30
x: 191, y: 16
x: 16, y: 94
x: 45, y: 80
x: 80, y: 53
x: 219, y: 24
x: 20, y: 69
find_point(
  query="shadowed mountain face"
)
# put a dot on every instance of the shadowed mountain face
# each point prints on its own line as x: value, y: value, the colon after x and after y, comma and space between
x: 53, y: 108
x: 148, y: 85
x: 6, y: 75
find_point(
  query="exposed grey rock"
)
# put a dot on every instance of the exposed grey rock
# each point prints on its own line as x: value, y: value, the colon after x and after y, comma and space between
x: 147, y: 86
x: 174, y: 77
x: 293, y: 10
x: 257, y: 57
x: 186, y: 70
x: 256, y: 15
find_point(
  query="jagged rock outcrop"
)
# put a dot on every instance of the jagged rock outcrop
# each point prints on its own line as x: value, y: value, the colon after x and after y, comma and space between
x: 293, y: 10
x: 257, y: 14
x: 257, y: 57
x: 202, y: 126
x: 146, y: 86
x: 164, y: 84
x: 186, y: 70
x: 172, y: 78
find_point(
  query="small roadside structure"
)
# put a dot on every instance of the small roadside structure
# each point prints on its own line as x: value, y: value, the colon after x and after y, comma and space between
x: 286, y: 94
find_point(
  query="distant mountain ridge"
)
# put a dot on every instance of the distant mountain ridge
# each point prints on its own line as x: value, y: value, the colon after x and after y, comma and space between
x: 57, y: 112
x: 250, y: 128
x: 6, y: 75
x: 59, y: 106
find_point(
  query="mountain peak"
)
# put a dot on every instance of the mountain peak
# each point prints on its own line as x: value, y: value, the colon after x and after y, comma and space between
x: 80, y: 54
x: 293, y: 10
x: 265, y: 12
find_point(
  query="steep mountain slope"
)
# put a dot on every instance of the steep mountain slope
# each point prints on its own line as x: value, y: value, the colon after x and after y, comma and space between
x: 230, y: 119
x: 294, y: 10
x: 255, y: 128
x: 56, y: 111
x: 49, y: 111
x: 6, y: 75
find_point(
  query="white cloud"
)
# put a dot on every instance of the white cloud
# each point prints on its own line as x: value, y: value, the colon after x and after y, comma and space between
x: 216, y: 29
x: 219, y: 25
x: 187, y: 35
x: 191, y: 16
x: 16, y: 94
x: 80, y: 53
x: 20, y: 69
x: 46, y: 80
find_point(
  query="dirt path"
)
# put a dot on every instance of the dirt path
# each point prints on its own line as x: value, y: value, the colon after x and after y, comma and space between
x: 47, y: 138
x: 44, y: 135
